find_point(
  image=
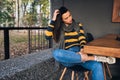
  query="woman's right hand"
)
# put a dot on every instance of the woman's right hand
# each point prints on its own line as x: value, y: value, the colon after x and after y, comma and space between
x: 56, y: 12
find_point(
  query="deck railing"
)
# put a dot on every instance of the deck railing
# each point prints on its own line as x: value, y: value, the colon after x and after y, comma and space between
x: 35, y: 40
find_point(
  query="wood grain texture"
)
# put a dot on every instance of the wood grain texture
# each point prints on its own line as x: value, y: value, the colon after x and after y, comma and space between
x: 106, y: 46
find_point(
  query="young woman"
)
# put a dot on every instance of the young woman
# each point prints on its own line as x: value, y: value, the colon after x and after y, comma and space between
x: 71, y: 39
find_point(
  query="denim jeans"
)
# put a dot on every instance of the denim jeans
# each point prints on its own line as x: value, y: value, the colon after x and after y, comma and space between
x: 70, y: 57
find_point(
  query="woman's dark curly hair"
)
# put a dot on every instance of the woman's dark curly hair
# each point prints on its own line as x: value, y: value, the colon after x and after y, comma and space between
x: 58, y: 23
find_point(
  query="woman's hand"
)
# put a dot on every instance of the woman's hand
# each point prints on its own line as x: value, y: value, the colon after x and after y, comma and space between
x: 82, y: 50
x: 56, y: 12
x: 84, y: 56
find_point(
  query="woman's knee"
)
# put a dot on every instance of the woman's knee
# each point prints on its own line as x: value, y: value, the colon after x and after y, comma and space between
x: 57, y: 53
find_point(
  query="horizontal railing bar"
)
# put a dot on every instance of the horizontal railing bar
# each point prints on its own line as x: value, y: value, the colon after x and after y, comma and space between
x: 21, y: 28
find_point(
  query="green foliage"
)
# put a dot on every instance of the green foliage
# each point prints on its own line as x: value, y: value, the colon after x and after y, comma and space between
x: 45, y: 21
x: 19, y: 39
x: 29, y: 9
x: 30, y: 19
x: 31, y: 15
x: 6, y: 11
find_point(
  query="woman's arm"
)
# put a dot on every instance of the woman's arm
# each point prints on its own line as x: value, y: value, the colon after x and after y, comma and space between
x: 82, y: 37
x: 49, y: 31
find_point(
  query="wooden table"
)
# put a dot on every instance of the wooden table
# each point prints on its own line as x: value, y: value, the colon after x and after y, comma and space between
x: 105, y: 46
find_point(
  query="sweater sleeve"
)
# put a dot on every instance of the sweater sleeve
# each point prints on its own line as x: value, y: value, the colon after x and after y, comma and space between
x: 82, y: 37
x: 49, y: 31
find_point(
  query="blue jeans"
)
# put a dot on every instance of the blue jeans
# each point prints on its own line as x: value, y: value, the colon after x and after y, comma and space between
x: 70, y: 58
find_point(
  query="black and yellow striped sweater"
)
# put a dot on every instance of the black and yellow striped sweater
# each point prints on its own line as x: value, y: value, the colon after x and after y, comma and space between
x: 73, y: 38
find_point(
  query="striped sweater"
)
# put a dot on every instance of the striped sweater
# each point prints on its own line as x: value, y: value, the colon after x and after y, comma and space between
x: 73, y: 38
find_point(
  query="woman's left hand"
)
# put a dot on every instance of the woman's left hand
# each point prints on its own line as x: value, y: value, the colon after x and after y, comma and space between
x: 82, y: 50
x: 84, y: 56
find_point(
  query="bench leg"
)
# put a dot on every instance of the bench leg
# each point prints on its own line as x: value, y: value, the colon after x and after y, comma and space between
x: 63, y: 73
x: 72, y: 77
x: 105, y: 65
x: 108, y: 70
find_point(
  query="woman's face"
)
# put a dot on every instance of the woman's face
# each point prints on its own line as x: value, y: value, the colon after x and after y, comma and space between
x: 67, y: 18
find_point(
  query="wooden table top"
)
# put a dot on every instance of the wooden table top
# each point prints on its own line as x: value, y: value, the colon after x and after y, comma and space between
x: 106, y: 46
